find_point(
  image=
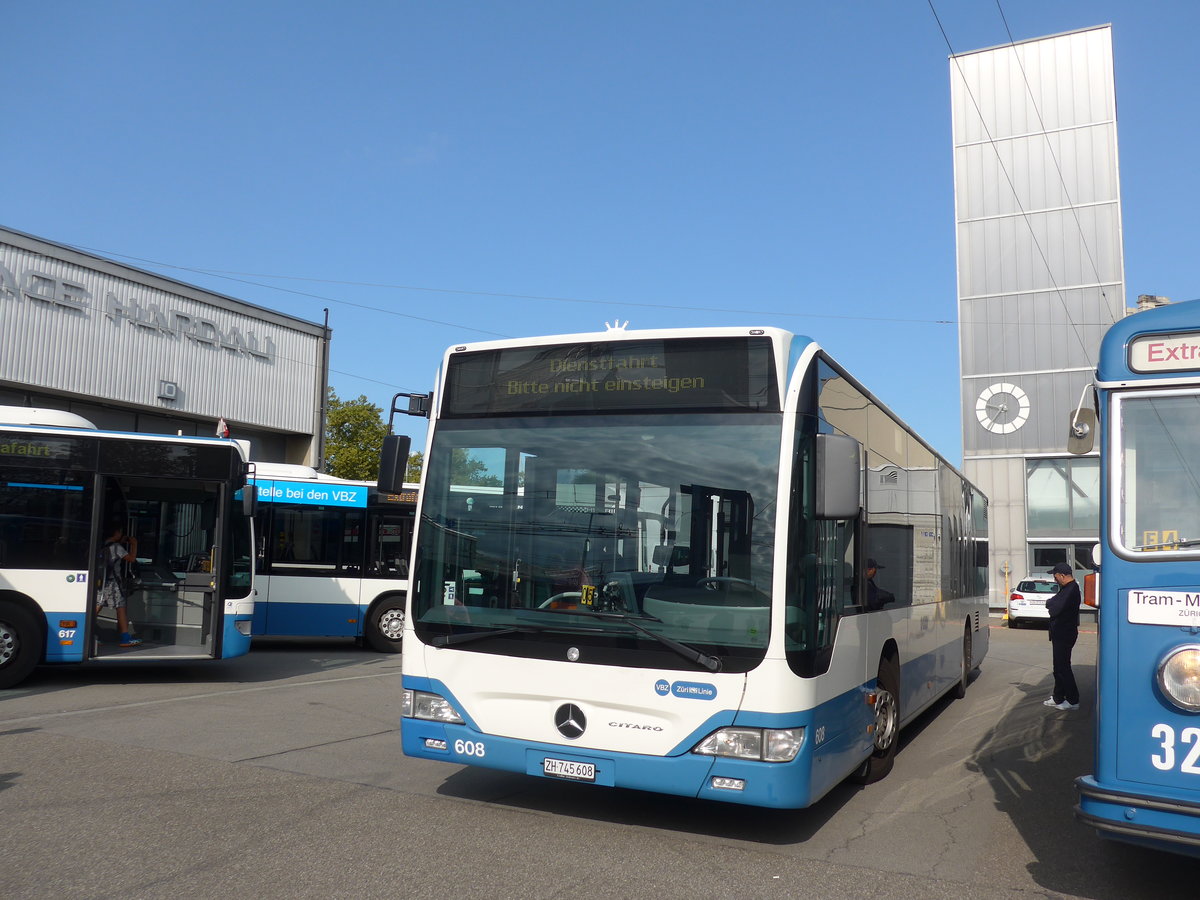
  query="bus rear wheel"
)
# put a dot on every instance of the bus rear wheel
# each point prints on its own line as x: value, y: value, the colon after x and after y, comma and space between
x: 960, y: 689
x: 886, y: 730
x: 20, y: 644
x: 385, y: 626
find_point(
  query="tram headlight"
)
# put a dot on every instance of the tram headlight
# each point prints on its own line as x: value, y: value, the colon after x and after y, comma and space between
x: 431, y: 707
x: 759, y: 744
x: 1179, y: 677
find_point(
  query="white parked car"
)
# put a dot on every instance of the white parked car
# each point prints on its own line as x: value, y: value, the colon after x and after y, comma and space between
x: 1027, y: 602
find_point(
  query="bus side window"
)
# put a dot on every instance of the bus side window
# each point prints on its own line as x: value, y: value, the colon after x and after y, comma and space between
x: 391, y: 540
x: 350, y: 559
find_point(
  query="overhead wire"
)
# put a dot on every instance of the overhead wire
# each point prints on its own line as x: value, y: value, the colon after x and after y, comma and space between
x: 244, y: 277
x: 239, y: 277
x: 1053, y: 156
x: 272, y: 287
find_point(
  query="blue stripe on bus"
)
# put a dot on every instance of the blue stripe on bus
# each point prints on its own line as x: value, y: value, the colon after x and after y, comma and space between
x: 46, y: 487
x: 278, y: 617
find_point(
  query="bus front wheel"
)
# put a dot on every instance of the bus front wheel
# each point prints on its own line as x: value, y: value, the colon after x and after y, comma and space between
x: 886, y: 728
x: 385, y: 625
x: 20, y: 644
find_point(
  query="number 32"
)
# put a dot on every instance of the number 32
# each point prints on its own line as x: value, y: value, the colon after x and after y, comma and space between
x: 1165, y: 761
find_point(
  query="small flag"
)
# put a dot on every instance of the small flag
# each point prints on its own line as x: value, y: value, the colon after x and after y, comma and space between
x: 222, y: 428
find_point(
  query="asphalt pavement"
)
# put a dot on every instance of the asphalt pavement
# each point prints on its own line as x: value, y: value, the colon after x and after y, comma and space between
x: 280, y: 775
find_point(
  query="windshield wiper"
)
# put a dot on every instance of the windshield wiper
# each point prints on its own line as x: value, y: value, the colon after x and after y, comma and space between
x: 444, y: 640
x: 466, y: 637
x: 712, y: 663
x: 1169, y: 545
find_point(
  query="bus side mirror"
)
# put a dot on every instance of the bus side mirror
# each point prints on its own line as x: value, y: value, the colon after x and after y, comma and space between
x: 838, y: 472
x: 393, y: 463
x: 1082, y: 434
x: 249, y: 489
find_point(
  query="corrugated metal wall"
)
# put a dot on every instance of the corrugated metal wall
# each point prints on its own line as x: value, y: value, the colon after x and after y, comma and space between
x: 1040, y: 265
x: 68, y: 326
x: 1037, y: 201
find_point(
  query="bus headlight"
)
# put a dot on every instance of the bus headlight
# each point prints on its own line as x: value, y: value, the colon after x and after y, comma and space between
x: 1179, y: 677
x: 759, y: 744
x: 432, y: 707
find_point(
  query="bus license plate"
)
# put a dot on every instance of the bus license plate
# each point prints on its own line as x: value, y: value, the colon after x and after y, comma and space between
x: 565, y: 768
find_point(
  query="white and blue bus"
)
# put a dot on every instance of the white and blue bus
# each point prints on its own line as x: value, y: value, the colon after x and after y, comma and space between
x: 332, y: 556
x: 703, y: 562
x: 64, y: 486
x: 1146, y: 786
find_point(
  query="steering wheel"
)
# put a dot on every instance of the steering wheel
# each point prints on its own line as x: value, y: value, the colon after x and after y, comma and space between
x: 715, y: 582
x: 550, y: 602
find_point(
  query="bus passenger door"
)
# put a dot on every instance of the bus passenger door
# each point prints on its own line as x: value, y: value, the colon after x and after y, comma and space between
x: 172, y: 590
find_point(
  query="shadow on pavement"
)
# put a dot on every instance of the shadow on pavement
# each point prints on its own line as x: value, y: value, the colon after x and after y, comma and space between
x: 1031, y: 758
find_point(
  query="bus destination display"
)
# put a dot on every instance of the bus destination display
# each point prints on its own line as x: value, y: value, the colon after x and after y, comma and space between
x: 697, y: 373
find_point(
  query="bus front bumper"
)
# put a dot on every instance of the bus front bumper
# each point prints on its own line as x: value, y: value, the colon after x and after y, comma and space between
x: 1160, y: 822
x: 776, y: 785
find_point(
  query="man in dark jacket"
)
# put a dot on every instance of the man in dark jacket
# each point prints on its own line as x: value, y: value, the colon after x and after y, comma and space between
x: 1063, y: 608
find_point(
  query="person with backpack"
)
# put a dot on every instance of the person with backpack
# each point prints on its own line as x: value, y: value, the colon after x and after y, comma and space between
x: 117, y: 557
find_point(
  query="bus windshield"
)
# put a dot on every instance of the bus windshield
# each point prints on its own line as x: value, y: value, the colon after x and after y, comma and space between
x: 1160, y: 496
x: 539, y: 525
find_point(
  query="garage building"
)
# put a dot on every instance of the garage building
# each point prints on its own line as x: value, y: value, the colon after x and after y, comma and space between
x: 134, y: 351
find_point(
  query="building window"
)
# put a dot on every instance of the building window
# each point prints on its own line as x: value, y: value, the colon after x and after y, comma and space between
x: 1063, y: 496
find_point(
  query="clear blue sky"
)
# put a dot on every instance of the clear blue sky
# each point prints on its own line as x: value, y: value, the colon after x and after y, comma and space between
x: 439, y: 172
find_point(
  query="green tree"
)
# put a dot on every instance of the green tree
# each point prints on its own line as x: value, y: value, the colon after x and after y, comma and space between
x: 466, y: 469
x: 415, y: 462
x: 354, y: 432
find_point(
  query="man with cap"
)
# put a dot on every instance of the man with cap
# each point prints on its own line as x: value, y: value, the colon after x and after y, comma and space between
x: 1063, y: 608
x: 876, y: 596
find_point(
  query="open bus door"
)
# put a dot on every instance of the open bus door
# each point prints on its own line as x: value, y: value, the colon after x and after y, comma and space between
x: 175, y: 596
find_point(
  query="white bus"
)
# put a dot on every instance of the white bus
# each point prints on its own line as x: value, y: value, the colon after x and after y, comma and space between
x: 704, y: 562
x: 64, y: 487
x: 332, y: 556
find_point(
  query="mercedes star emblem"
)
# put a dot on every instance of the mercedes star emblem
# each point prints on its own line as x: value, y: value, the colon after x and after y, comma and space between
x: 570, y: 721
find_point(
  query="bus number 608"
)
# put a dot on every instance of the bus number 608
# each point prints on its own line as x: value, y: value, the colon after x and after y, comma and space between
x: 469, y: 748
